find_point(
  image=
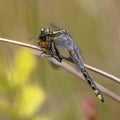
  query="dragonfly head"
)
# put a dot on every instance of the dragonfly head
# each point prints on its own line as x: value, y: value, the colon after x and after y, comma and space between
x: 45, y: 31
x: 42, y: 39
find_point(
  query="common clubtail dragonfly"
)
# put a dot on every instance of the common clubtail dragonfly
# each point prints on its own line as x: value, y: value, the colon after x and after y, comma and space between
x: 50, y: 41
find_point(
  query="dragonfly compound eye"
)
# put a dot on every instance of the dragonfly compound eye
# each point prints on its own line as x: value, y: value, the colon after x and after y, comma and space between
x: 45, y: 31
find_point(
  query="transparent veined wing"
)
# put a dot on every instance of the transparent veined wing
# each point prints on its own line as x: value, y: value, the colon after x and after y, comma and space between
x: 65, y: 41
x: 55, y: 27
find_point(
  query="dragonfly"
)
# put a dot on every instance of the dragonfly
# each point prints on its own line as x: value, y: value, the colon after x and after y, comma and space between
x: 51, y: 41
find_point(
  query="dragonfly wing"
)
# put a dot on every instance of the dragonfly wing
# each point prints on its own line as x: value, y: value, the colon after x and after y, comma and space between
x: 65, y: 41
x: 55, y: 27
x: 79, y: 52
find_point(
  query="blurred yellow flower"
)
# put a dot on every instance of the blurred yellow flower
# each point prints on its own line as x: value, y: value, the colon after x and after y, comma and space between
x: 22, y: 68
x: 31, y: 98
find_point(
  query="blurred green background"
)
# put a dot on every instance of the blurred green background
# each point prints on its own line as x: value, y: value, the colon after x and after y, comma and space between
x: 31, y: 88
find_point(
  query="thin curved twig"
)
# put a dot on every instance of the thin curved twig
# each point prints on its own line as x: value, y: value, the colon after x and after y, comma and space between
x: 71, y: 69
x: 79, y: 75
x: 20, y: 43
x: 105, y: 74
x: 112, y: 77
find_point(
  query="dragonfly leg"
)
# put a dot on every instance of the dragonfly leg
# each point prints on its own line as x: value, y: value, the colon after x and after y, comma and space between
x: 58, y: 54
x: 42, y: 53
x: 70, y: 59
x: 66, y: 58
x: 58, y: 59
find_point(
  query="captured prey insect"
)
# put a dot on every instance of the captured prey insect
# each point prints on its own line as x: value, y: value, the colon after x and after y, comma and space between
x: 47, y: 44
x: 50, y: 41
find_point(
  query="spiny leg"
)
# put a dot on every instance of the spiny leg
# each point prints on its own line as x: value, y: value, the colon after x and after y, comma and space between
x: 57, y: 53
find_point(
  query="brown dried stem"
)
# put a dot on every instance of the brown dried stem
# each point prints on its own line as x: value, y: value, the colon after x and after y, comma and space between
x: 37, y: 50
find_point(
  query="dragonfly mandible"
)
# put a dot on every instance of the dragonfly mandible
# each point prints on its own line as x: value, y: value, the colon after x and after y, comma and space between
x: 50, y: 41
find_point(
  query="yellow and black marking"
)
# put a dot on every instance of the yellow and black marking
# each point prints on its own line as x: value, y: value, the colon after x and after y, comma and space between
x: 92, y: 84
x: 56, y: 33
x: 79, y: 64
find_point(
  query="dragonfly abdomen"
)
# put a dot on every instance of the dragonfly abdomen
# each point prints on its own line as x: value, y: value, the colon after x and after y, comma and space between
x: 79, y: 64
x: 92, y: 84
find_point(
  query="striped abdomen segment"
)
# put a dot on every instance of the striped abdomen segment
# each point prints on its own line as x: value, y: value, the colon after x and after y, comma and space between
x: 92, y: 84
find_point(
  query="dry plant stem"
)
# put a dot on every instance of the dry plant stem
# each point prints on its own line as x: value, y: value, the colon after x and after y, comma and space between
x: 71, y: 69
x: 116, y: 79
x: 111, y: 94
x: 79, y: 75
x: 19, y: 43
